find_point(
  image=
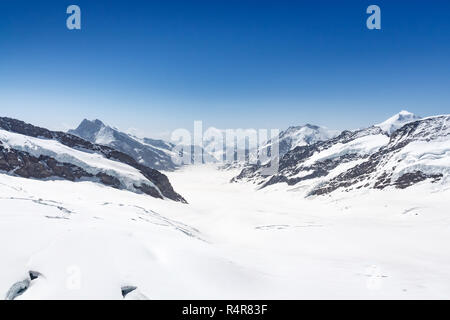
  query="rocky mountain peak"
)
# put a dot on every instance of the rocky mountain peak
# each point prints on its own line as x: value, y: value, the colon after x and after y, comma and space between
x: 156, y: 154
x: 33, y: 152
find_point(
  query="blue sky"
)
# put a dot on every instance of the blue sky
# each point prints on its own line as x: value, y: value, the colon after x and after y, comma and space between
x: 160, y: 65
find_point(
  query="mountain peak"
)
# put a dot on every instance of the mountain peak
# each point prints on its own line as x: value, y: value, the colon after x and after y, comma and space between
x: 91, y: 123
x: 99, y: 122
x: 88, y: 129
x: 397, y: 121
x: 405, y: 112
x: 152, y: 153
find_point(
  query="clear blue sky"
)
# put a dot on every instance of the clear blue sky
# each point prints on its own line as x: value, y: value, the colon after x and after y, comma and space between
x: 160, y: 65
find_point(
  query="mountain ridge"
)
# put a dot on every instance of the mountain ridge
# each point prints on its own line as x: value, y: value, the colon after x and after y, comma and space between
x: 355, y: 156
x: 153, y: 153
x: 35, y: 152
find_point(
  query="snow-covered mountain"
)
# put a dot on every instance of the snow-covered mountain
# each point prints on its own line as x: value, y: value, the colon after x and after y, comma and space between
x: 287, y: 140
x: 92, y: 239
x: 32, y: 152
x: 296, y: 136
x: 416, y: 152
x: 397, y: 121
x: 159, y: 154
x: 366, y: 158
x: 156, y: 154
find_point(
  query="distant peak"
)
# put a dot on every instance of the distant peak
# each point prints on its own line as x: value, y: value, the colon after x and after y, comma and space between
x: 91, y: 123
x: 297, y: 128
x: 404, y: 114
x: 88, y: 129
x: 397, y: 121
x: 312, y: 126
x: 98, y: 122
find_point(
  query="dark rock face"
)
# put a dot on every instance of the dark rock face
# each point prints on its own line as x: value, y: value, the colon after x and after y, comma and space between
x: 372, y: 172
x: 151, y: 153
x: 18, y: 289
x: 25, y: 165
x: 127, y: 289
x: 109, y: 180
x: 318, y: 169
x: 408, y: 179
x: 421, y: 130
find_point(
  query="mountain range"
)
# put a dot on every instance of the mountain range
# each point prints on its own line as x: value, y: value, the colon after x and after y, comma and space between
x: 33, y: 152
x: 159, y: 154
x: 156, y: 154
x: 339, y: 200
x: 400, y: 152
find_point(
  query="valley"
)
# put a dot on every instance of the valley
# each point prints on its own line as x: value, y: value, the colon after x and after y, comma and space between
x: 230, y: 242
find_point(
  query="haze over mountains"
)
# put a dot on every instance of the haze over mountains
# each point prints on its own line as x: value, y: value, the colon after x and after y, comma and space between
x: 401, y: 151
x: 296, y: 136
x: 158, y: 154
x: 314, y: 159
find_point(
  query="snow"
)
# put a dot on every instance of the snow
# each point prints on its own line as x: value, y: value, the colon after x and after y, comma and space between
x: 214, y: 140
x: 305, y: 187
x: 230, y: 242
x: 93, y: 163
x: 305, y: 135
x: 145, y: 151
x: 104, y: 136
x: 301, y: 136
x: 430, y: 157
x: 365, y: 145
x: 397, y: 121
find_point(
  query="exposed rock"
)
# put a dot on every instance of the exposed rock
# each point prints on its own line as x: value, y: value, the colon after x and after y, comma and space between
x: 127, y: 289
x: 27, y: 166
x: 152, y: 153
x: 34, y: 275
x: 17, y: 289
x: 376, y: 168
x: 408, y: 179
x: 291, y: 163
x: 109, y: 180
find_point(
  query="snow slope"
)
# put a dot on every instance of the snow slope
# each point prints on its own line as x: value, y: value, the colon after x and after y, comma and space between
x: 361, y: 146
x: 91, y: 162
x: 417, y: 152
x: 156, y: 154
x: 230, y: 242
x: 296, y: 136
x: 375, y: 157
x: 88, y: 242
x: 397, y: 121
